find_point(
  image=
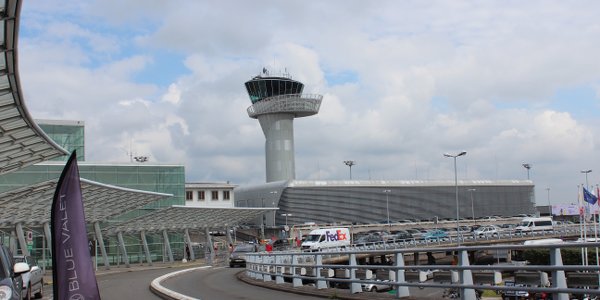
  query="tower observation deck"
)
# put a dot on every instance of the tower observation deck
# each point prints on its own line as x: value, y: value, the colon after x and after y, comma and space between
x: 276, y: 101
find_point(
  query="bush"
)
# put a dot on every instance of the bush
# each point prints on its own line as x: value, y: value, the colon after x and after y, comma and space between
x: 570, y: 256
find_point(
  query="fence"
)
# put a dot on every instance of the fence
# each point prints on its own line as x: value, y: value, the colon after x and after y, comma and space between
x: 354, y: 268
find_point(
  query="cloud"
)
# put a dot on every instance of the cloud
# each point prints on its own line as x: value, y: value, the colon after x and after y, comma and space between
x: 403, y: 82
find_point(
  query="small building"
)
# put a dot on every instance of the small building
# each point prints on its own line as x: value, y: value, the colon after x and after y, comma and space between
x: 209, y: 194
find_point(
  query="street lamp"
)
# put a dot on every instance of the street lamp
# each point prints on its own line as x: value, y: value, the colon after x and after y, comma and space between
x: 586, y: 172
x: 286, y: 215
x: 549, y: 206
x: 387, y: 204
x: 456, y: 192
x: 472, y: 210
x: 527, y: 166
x: 350, y: 163
x: 273, y: 193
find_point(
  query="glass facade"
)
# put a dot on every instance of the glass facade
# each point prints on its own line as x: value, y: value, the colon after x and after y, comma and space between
x: 168, y: 179
x: 70, y: 135
x: 263, y: 87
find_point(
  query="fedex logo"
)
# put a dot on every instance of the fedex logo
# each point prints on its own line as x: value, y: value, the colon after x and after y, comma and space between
x: 335, y: 236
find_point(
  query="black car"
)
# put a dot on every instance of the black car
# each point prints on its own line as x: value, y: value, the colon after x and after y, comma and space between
x: 238, y: 255
x: 11, y: 283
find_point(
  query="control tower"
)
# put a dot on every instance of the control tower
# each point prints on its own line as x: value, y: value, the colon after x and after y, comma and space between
x: 276, y: 101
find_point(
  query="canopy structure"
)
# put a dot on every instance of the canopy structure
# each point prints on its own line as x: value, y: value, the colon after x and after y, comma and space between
x: 178, y: 218
x: 30, y: 206
x: 22, y: 142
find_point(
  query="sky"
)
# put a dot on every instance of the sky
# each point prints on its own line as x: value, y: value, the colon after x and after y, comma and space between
x: 403, y: 82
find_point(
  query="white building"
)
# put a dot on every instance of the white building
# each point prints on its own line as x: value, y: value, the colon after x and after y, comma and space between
x: 209, y: 194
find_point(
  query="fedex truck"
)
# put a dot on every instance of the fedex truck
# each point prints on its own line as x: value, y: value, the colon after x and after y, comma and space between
x: 319, y: 239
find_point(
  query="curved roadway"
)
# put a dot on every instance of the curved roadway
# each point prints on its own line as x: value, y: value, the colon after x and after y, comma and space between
x: 206, y: 284
x: 221, y: 283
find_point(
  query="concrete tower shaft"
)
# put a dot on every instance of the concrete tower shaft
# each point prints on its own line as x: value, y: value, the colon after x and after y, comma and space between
x: 276, y: 102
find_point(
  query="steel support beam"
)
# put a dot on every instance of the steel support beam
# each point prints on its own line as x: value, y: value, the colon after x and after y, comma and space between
x: 21, y: 239
x: 100, y: 240
x: 167, y: 245
x: 146, y: 249
x: 123, y: 248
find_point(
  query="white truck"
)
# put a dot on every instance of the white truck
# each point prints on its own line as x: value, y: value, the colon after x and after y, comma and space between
x: 319, y: 239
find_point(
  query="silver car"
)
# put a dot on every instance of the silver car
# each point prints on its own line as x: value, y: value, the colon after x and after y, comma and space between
x: 381, y: 286
x: 33, y: 281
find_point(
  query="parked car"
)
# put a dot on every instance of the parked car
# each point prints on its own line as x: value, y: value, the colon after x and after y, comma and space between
x: 238, y: 255
x: 33, y: 281
x: 280, y: 245
x: 370, y: 238
x: 381, y: 286
x: 11, y: 283
x: 399, y: 236
x: 486, y: 231
x: 435, y: 234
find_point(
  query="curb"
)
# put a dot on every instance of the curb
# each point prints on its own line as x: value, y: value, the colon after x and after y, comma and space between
x: 164, y: 293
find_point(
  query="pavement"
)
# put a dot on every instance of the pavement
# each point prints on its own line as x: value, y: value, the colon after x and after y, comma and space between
x: 328, y: 293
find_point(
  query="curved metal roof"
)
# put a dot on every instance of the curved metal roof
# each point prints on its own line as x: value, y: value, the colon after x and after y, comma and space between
x: 177, y: 218
x: 22, y: 142
x: 31, y: 205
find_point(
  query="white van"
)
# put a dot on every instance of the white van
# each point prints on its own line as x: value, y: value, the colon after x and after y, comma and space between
x: 326, y: 238
x: 535, y: 224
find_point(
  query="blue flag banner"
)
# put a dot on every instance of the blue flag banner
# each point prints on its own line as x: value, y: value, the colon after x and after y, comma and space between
x: 589, y: 197
x: 72, y: 269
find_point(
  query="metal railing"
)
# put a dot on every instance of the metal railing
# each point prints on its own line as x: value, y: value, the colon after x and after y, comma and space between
x: 350, y: 268
x: 300, y: 104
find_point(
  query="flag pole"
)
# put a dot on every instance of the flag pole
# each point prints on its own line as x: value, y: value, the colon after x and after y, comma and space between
x: 581, y: 219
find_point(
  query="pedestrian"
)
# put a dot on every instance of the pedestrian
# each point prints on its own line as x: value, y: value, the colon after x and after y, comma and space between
x: 430, y: 259
x: 187, y: 251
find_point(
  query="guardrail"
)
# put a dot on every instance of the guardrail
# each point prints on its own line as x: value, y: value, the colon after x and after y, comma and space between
x: 324, y: 269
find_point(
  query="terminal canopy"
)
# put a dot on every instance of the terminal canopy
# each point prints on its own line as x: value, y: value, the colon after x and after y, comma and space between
x: 178, y: 218
x: 31, y: 205
x: 22, y: 142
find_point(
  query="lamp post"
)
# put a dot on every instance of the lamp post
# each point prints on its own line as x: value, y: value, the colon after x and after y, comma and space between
x: 286, y: 215
x: 472, y: 210
x: 586, y: 172
x: 549, y: 206
x: 350, y: 163
x: 387, y: 204
x: 273, y: 193
x: 527, y: 166
x: 456, y: 192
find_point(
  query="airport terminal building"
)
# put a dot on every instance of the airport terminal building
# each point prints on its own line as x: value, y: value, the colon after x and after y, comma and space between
x: 369, y: 201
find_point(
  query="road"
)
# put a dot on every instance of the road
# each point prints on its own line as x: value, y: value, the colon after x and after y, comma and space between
x: 129, y: 285
x: 221, y: 283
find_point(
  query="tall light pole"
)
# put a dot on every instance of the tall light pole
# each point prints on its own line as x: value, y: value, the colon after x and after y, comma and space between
x: 456, y: 192
x: 472, y: 210
x: 350, y: 163
x: 527, y: 166
x: 549, y: 206
x: 387, y: 204
x: 275, y: 194
x: 286, y: 215
x: 586, y: 172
